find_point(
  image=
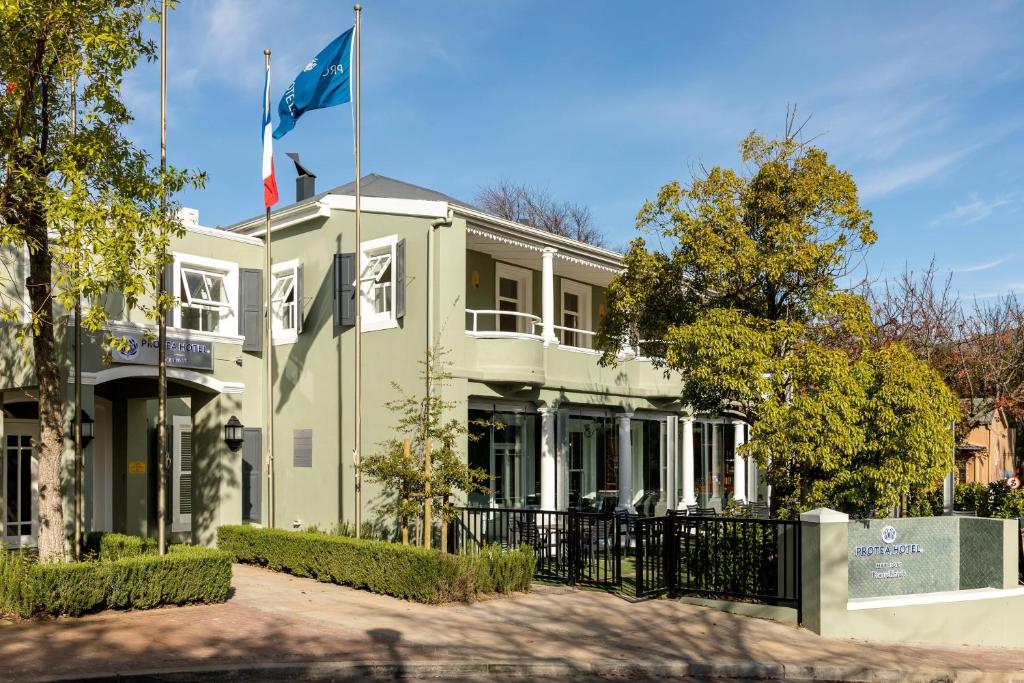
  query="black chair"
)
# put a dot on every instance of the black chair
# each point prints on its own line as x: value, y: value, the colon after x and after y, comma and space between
x: 707, y: 512
x: 692, y: 510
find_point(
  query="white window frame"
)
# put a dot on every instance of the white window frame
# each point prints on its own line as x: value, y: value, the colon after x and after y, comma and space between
x: 524, y: 302
x: 18, y: 427
x: 281, y: 334
x: 228, y: 323
x: 179, y: 521
x: 583, y: 293
x: 383, y: 247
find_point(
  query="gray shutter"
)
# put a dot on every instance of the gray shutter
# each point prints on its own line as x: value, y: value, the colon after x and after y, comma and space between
x: 250, y: 308
x: 344, y: 289
x: 300, y: 302
x: 302, y: 448
x: 252, y: 475
x: 400, y: 279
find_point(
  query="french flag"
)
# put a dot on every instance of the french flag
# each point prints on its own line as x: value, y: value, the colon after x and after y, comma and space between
x: 269, y: 182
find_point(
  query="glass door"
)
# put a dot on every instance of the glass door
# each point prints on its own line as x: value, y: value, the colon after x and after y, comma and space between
x: 19, y: 485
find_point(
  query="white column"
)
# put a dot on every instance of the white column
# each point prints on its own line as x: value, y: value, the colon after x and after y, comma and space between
x: 739, y: 480
x: 753, y: 480
x: 625, y: 462
x: 548, y: 296
x: 547, y: 458
x: 689, y: 495
x: 671, y: 461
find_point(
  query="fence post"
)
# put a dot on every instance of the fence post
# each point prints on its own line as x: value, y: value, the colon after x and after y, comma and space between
x: 574, y: 541
x: 670, y: 545
x: 638, y: 556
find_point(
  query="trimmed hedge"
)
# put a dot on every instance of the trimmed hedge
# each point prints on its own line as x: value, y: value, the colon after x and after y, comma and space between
x: 388, y: 568
x: 185, y: 575
x: 106, y: 546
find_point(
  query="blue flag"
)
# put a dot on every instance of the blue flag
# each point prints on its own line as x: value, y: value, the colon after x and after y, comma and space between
x: 324, y: 82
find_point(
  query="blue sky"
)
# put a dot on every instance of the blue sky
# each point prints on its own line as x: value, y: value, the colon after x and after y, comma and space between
x: 602, y: 102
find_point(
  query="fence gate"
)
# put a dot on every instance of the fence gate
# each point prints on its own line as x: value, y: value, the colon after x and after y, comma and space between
x: 571, y: 547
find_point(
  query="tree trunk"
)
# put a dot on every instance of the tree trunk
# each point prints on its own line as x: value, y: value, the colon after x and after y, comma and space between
x: 50, y: 447
x: 444, y: 525
x: 428, y: 502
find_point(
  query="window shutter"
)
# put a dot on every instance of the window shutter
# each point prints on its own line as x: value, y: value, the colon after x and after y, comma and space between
x: 344, y: 289
x: 400, y: 279
x: 300, y: 303
x: 182, y: 476
x: 252, y: 475
x: 250, y: 316
x: 302, y: 448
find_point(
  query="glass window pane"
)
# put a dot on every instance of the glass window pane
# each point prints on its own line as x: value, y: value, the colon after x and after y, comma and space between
x: 508, y: 288
x: 572, y: 302
x: 25, y: 475
x: 193, y: 285
x: 11, y: 488
x: 282, y: 286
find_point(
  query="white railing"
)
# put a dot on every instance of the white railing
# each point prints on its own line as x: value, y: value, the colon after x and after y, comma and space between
x: 574, y: 337
x: 523, y: 320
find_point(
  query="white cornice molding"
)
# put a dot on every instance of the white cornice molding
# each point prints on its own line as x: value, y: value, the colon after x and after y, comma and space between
x: 223, y: 234
x: 285, y: 218
x: 191, y: 376
x: 423, y: 208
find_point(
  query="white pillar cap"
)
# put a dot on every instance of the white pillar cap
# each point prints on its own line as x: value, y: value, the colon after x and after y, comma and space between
x: 824, y: 516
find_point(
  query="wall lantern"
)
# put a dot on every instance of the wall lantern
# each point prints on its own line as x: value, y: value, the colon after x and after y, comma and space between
x: 87, y: 429
x: 474, y: 278
x: 234, y: 433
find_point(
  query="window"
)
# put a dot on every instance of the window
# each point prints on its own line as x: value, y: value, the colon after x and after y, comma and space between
x: 575, y: 314
x: 513, y: 293
x: 377, y: 284
x: 286, y: 301
x: 207, y: 290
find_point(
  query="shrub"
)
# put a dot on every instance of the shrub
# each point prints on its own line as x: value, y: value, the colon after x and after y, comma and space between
x: 995, y: 500
x: 971, y: 496
x: 388, y: 568
x: 108, y: 546
x: 187, y: 574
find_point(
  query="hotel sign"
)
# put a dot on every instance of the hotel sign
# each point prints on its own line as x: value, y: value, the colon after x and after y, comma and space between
x: 181, y: 353
x: 903, y: 556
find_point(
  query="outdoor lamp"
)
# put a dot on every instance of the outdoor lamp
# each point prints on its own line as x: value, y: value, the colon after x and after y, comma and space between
x: 87, y: 428
x: 233, y: 433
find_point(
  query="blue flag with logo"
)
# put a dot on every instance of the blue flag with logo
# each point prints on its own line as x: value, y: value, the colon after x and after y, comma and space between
x: 324, y: 82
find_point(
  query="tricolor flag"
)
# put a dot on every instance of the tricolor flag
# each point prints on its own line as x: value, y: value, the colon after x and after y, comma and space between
x: 269, y: 182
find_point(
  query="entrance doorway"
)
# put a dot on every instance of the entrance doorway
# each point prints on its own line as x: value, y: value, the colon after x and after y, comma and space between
x: 102, y: 468
x: 19, y: 483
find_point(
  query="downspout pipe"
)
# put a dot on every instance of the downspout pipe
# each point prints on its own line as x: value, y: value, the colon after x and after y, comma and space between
x: 434, y: 225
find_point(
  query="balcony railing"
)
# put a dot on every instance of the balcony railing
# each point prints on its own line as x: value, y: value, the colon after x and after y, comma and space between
x: 525, y: 324
x: 575, y: 338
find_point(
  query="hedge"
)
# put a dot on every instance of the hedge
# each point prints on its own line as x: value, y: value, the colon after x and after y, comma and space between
x: 388, y: 568
x: 107, y: 546
x: 185, y: 575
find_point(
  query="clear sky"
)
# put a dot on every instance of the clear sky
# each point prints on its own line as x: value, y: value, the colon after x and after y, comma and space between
x: 602, y: 102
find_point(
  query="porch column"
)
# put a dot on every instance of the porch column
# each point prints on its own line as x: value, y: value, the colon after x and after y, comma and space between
x: 625, y: 461
x: 547, y: 458
x: 739, y: 468
x: 689, y: 495
x: 670, y: 485
x: 548, y: 296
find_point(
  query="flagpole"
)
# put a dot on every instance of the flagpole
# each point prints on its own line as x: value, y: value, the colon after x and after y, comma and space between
x: 268, y: 352
x: 356, y: 454
x: 161, y: 382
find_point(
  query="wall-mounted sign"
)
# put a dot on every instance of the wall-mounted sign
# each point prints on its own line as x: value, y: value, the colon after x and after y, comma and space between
x: 903, y: 556
x: 181, y: 353
x: 136, y: 467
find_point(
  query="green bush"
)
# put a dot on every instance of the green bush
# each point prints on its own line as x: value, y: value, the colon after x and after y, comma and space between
x: 387, y: 568
x: 186, y: 574
x: 995, y: 500
x: 108, y: 546
x: 972, y: 497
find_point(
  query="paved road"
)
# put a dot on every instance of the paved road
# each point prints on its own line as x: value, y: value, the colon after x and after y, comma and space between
x: 290, y: 622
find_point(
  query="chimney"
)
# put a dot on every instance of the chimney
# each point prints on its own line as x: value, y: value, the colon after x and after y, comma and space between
x: 305, y: 182
x: 189, y: 218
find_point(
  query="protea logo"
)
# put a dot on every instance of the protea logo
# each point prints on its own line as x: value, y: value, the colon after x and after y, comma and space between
x: 311, y: 65
x: 889, y: 534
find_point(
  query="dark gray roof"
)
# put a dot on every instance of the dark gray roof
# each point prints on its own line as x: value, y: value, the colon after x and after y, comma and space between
x: 373, y: 185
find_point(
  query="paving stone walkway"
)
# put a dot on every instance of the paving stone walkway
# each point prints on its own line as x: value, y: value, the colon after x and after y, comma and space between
x: 276, y: 619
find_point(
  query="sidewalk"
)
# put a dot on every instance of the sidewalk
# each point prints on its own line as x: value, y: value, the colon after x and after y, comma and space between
x: 281, y: 620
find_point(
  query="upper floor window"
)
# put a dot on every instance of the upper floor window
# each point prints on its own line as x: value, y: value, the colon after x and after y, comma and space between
x: 286, y: 301
x: 207, y: 290
x: 513, y: 293
x: 377, y: 284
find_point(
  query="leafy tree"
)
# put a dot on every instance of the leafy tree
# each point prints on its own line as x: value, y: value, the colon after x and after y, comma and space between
x: 90, y: 208
x: 400, y: 466
x: 745, y: 300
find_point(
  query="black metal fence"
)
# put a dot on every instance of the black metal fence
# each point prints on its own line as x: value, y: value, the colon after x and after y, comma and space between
x: 570, y: 546
x: 719, y: 557
x: 732, y: 558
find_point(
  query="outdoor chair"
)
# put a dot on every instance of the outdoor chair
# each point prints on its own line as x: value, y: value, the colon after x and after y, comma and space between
x: 707, y: 512
x: 692, y: 510
x: 759, y: 510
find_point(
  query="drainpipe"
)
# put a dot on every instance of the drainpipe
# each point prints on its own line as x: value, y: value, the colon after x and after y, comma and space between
x: 434, y: 225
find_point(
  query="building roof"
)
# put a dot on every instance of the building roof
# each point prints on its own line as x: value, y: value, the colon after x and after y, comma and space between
x: 976, y: 404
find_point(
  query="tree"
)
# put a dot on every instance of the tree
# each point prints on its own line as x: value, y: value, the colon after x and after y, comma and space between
x: 535, y: 207
x: 746, y: 303
x: 86, y: 206
x: 400, y: 466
